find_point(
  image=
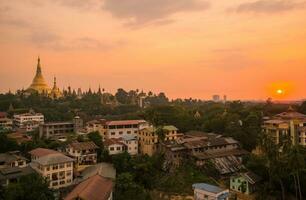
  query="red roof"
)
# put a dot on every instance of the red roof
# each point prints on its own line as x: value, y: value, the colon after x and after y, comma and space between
x: 42, y: 152
x: 3, y: 114
x: 124, y: 122
x: 94, y: 188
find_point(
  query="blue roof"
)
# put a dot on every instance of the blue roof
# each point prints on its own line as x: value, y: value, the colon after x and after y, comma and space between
x: 207, y: 187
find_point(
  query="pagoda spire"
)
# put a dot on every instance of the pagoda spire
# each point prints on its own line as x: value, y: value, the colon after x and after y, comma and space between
x: 38, y: 69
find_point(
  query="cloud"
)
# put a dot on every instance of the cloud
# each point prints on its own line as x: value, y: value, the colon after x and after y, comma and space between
x: 270, y: 6
x: 140, y: 12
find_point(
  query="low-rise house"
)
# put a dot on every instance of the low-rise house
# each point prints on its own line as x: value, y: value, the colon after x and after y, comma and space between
x: 28, y: 121
x: 131, y: 142
x: 224, y: 152
x: 12, y: 159
x: 54, y: 166
x: 13, y: 174
x: 244, y: 182
x: 94, y: 188
x: 105, y: 170
x: 204, y: 191
x: 148, y: 138
x: 19, y: 137
x: 6, y: 123
x: 115, y: 146
x: 84, y: 153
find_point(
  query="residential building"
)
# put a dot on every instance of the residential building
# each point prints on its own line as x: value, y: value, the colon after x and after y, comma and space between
x: 224, y: 152
x: 59, y: 130
x: 12, y: 159
x: 148, y: 141
x: 84, y: 153
x: 131, y: 142
x: 13, y: 174
x: 204, y: 191
x: 19, y: 137
x: 287, y: 125
x: 148, y: 138
x: 54, y: 166
x: 117, y: 129
x: 244, y: 182
x: 28, y: 121
x: 97, y: 125
x: 115, y: 146
x: 94, y: 188
x: 6, y: 123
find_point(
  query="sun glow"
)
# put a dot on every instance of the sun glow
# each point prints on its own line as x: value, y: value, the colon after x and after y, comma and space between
x: 280, y: 91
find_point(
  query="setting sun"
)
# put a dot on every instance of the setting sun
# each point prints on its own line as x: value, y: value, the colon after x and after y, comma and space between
x: 279, y: 91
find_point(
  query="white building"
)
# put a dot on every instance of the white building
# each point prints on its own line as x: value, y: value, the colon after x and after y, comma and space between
x: 115, y: 146
x: 54, y: 166
x: 84, y: 153
x: 28, y: 121
x: 117, y: 129
x: 204, y: 191
x: 131, y: 142
x: 6, y: 123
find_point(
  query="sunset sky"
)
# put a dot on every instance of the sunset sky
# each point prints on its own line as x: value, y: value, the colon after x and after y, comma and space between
x: 246, y: 49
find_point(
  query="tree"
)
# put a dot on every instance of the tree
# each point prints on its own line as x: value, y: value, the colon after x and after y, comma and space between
x: 30, y: 187
x: 122, y: 96
x: 127, y: 189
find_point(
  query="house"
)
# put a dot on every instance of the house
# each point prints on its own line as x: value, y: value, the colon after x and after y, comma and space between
x: 131, y: 142
x: 115, y: 146
x: 6, y: 123
x: 286, y: 124
x: 117, y: 129
x: 19, y: 137
x: 105, y: 170
x: 148, y: 138
x: 204, y: 191
x: 54, y: 166
x: 55, y: 130
x: 84, y: 153
x: 12, y: 159
x: 244, y: 182
x: 94, y: 188
x: 28, y: 121
x: 13, y: 174
x: 224, y: 152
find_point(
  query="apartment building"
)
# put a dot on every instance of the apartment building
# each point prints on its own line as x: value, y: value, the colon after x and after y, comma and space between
x: 286, y: 125
x: 84, y: 153
x: 28, y: 121
x: 117, y: 129
x: 54, y: 166
x: 148, y: 138
x: 57, y: 130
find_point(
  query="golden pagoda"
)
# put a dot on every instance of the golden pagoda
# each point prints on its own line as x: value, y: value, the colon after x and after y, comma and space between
x: 39, y: 84
x: 55, y: 92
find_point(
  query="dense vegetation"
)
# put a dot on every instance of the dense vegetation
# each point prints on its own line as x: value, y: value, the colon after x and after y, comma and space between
x: 136, y: 176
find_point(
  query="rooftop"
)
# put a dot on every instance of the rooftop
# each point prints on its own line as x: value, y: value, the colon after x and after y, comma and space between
x: 124, y: 122
x: 53, y: 159
x: 207, y: 187
x: 94, y: 188
x: 83, y: 145
x: 11, y: 157
x: 15, y: 172
x: 39, y: 152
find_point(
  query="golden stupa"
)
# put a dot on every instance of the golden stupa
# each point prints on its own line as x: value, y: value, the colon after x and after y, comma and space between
x: 55, y: 92
x: 39, y: 84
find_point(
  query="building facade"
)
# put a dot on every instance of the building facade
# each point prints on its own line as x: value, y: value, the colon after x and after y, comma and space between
x: 117, y: 129
x: 54, y: 166
x: 28, y: 121
x: 204, y: 191
x: 244, y: 182
x: 84, y: 153
x: 287, y: 125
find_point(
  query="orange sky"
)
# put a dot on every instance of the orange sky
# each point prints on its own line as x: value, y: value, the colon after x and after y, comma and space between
x: 247, y: 49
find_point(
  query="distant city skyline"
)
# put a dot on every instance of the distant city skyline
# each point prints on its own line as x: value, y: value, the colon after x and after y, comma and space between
x: 245, y: 49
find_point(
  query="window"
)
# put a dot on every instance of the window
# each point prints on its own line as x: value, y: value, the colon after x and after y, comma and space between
x: 120, y: 132
x: 113, y: 133
x: 68, y: 180
x: 55, y: 167
x: 62, y: 182
x: 118, y: 148
x: 68, y: 173
x: 128, y: 132
x: 68, y: 164
x: 111, y: 148
x: 61, y: 166
x: 48, y: 168
x: 54, y: 183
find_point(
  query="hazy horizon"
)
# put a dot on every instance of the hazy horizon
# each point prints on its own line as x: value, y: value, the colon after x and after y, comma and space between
x: 245, y: 49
